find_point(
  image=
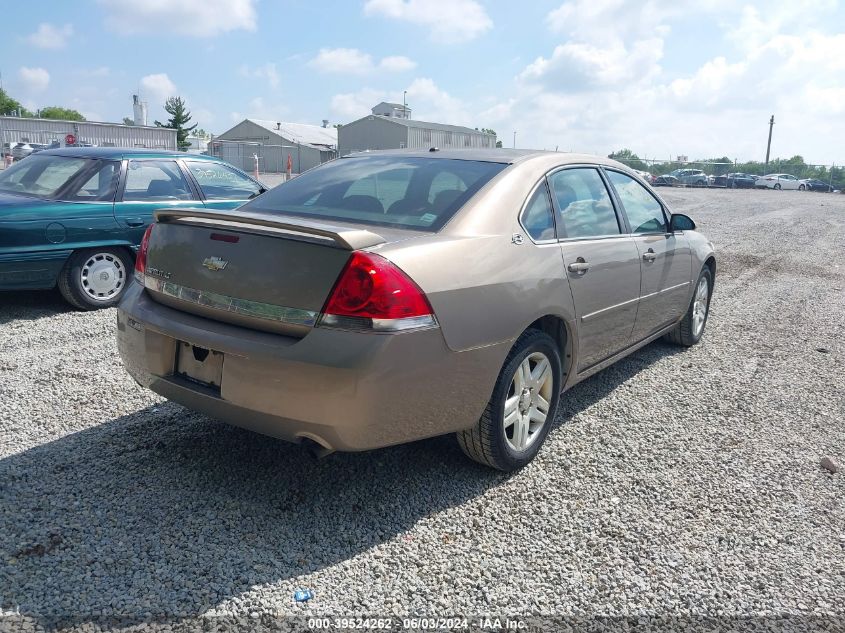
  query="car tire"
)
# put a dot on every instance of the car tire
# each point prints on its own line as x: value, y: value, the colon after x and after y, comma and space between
x: 95, y: 278
x: 690, y: 329
x: 490, y: 441
x: 777, y: 186
x: 801, y: 187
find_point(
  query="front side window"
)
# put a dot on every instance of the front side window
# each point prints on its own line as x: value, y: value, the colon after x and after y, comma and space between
x: 151, y: 180
x: 538, y: 217
x: 645, y: 213
x: 585, y: 206
x: 60, y: 178
x: 220, y: 182
x: 414, y: 193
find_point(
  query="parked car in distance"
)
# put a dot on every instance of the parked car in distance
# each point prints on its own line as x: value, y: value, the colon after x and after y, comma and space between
x: 665, y: 181
x: 779, y: 181
x: 386, y: 297
x: 814, y: 184
x: 694, y: 177
x: 22, y: 150
x: 735, y: 181
x: 645, y: 175
x: 74, y: 217
x: 51, y: 145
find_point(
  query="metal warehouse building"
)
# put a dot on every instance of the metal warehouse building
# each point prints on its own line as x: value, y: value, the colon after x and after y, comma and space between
x: 273, y: 142
x: 26, y: 130
x: 395, y: 132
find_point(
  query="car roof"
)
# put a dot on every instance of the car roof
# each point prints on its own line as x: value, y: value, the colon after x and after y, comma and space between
x: 491, y: 155
x: 119, y: 153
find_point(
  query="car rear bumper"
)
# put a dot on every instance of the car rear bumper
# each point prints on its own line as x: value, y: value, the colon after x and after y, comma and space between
x: 345, y: 390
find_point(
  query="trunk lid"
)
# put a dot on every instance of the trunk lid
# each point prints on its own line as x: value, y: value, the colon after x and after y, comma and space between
x: 257, y: 270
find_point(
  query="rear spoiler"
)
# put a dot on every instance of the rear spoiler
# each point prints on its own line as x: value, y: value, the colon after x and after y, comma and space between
x: 342, y: 237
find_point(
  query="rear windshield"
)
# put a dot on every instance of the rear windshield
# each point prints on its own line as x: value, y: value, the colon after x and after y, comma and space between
x: 62, y: 178
x: 413, y: 193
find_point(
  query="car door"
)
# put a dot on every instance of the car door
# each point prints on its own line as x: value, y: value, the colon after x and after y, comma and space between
x: 601, y: 263
x: 789, y: 182
x: 222, y: 186
x: 149, y: 184
x: 665, y: 257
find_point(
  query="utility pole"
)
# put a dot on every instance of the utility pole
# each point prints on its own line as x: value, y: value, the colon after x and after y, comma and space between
x: 405, y: 105
x: 769, y: 146
x: 514, y: 139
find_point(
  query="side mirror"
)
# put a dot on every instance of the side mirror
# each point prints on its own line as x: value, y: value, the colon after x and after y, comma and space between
x: 681, y: 222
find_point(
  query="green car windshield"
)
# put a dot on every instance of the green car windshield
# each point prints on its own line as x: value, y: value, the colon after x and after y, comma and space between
x: 62, y: 178
x: 403, y: 192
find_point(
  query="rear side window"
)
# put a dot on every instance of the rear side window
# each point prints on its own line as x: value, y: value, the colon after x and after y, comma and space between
x: 645, y: 214
x: 538, y: 217
x: 585, y: 206
x: 220, y: 182
x: 155, y: 180
x: 414, y: 193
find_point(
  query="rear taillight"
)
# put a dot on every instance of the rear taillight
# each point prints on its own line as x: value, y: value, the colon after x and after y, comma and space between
x: 371, y: 293
x: 141, y: 257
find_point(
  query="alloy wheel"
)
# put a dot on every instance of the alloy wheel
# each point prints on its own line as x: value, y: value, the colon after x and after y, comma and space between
x: 699, y: 306
x: 527, y: 401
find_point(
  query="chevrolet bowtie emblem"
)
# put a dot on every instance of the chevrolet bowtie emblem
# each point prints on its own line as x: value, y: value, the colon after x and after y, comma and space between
x: 214, y: 263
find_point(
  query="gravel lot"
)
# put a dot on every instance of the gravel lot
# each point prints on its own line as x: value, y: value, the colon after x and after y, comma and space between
x: 676, y: 483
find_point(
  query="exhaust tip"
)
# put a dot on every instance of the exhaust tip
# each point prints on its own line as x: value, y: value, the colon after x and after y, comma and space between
x: 315, y: 449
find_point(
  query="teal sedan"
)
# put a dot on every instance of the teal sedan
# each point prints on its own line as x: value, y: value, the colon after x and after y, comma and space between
x: 74, y: 217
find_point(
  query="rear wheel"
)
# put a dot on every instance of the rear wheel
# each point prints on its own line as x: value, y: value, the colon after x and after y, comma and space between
x: 520, y: 412
x: 95, y: 278
x: 801, y: 187
x: 691, y: 328
x: 701, y: 183
x: 777, y: 186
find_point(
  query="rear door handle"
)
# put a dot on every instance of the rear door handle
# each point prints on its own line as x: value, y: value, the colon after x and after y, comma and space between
x: 578, y: 266
x: 134, y: 222
x: 649, y: 255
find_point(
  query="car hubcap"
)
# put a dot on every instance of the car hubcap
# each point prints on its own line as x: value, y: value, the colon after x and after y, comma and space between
x: 699, y: 307
x: 103, y: 276
x: 527, y: 402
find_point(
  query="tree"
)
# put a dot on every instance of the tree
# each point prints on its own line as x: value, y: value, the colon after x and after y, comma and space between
x: 56, y: 112
x: 180, y: 116
x: 629, y: 158
x: 128, y: 121
x: 493, y: 132
x: 9, y: 105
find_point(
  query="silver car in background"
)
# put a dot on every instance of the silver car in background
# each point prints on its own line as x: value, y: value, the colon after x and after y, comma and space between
x: 391, y: 296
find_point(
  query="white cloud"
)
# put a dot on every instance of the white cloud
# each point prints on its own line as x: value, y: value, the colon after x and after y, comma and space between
x: 34, y: 79
x: 397, y: 64
x: 49, y: 36
x: 267, y: 73
x: 352, y: 61
x: 196, y: 18
x: 157, y: 88
x: 343, y: 61
x: 448, y: 20
x: 354, y: 105
x: 606, y: 84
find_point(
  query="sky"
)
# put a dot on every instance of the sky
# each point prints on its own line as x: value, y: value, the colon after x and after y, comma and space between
x: 664, y: 78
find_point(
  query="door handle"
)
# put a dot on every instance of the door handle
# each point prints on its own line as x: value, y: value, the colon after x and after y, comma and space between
x: 578, y: 266
x: 649, y: 255
x: 134, y: 222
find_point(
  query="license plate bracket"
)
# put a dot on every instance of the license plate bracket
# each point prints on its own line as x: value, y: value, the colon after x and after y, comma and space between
x: 198, y: 364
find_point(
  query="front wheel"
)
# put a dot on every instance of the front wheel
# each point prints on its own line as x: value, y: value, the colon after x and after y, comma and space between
x: 521, y: 410
x: 777, y: 186
x: 95, y: 278
x: 691, y: 328
x: 801, y: 187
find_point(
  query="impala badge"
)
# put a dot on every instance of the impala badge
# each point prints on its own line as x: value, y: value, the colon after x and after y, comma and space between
x: 214, y: 263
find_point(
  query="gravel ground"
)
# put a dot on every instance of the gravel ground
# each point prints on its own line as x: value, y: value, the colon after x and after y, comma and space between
x: 674, y: 484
